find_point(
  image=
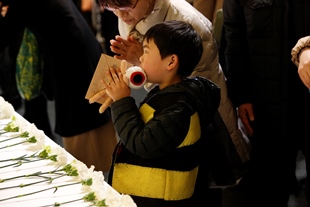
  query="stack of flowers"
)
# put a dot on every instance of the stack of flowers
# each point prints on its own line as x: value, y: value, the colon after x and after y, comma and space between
x: 34, y: 171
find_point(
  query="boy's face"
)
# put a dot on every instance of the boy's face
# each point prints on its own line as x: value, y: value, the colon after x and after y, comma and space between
x: 152, y: 64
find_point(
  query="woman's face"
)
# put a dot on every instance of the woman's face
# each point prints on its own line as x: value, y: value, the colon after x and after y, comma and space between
x: 132, y: 15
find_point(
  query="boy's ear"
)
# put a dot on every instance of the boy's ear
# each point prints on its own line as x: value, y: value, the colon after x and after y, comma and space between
x: 173, y: 61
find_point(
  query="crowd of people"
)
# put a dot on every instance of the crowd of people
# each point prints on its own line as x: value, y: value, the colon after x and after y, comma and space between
x: 256, y: 79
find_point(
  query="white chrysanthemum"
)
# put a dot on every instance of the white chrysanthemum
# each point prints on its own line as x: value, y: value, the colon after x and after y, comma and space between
x: 112, y: 198
x: 34, y: 131
x: 120, y: 200
x: 61, y: 154
x: 127, y: 201
x: 98, y: 177
x: 22, y: 123
x: 39, y: 144
x: 86, y: 173
x: 81, y: 168
x: 99, y: 186
x: 39, y: 135
x: 6, y: 109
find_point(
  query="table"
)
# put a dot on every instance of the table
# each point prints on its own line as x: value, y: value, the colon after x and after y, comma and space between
x: 37, y: 172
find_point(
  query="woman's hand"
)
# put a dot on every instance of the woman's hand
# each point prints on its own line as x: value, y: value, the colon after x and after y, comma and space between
x: 304, y: 67
x: 130, y: 50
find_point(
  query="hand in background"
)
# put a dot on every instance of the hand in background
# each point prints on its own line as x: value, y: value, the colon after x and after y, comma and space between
x: 246, y: 114
x: 3, y: 10
x: 304, y: 67
x: 130, y: 49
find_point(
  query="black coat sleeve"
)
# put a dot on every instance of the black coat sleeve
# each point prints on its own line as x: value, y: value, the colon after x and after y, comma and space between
x: 237, y: 57
x: 159, y: 136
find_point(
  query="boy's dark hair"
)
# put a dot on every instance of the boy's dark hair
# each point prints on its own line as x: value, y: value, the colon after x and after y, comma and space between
x: 179, y: 38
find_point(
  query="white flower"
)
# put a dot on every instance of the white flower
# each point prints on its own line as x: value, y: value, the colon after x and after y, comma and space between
x: 120, y: 201
x: 92, y: 181
x: 22, y: 123
x: 38, y: 134
x: 127, y: 201
x: 81, y: 168
x: 61, y: 154
x: 99, y: 187
x: 6, y: 110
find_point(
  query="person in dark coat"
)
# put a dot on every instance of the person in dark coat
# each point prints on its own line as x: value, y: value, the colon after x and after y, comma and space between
x: 159, y: 156
x: 7, y: 75
x: 71, y: 51
x: 273, y: 104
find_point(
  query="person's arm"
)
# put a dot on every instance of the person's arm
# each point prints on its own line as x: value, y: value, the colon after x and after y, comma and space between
x: 11, y: 25
x: 301, y: 58
x: 237, y: 59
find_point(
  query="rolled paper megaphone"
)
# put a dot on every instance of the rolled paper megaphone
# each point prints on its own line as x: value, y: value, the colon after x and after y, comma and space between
x: 136, y: 77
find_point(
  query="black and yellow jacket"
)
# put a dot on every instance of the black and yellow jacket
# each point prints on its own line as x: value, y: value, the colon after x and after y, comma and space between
x: 157, y: 159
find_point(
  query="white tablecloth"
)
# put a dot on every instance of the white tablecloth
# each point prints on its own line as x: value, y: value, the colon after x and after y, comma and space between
x: 74, y: 191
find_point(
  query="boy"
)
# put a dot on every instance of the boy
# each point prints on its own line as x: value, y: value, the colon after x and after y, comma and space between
x: 161, y: 143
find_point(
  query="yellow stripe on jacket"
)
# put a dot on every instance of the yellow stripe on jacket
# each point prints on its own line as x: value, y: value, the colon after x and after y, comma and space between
x: 161, y: 183
x: 156, y: 182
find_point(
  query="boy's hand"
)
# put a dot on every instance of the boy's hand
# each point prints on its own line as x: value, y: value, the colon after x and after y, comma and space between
x: 115, y: 80
x: 115, y: 86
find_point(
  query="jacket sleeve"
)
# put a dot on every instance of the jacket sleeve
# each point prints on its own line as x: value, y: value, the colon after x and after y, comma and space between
x: 237, y: 57
x: 298, y: 48
x: 156, y: 138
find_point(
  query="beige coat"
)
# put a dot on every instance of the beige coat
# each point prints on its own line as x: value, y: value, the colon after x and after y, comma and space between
x: 208, y: 7
x: 208, y: 66
x: 300, y: 45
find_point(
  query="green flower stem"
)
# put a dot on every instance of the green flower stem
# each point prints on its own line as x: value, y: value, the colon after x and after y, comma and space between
x: 30, y: 140
x: 39, y: 191
x: 23, y: 159
x: 20, y: 162
x: 24, y: 185
x: 72, y: 201
x: 16, y: 164
x: 22, y: 135
x: 34, y: 174
x: 46, y: 179
x: 18, y: 158
x: 9, y: 128
x: 90, y: 197
x: 21, y: 176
